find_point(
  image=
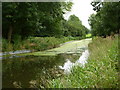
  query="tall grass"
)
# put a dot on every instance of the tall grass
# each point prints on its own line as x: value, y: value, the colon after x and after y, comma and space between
x: 34, y: 43
x: 101, y: 71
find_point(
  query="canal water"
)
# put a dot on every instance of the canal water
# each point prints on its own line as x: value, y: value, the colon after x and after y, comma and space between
x: 33, y: 71
x: 36, y: 71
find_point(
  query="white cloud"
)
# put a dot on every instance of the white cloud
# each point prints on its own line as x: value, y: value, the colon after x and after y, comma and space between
x: 82, y: 9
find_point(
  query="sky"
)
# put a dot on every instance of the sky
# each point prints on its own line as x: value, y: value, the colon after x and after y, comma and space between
x: 82, y: 9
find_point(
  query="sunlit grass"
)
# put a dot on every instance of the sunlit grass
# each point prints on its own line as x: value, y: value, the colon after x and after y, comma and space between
x: 88, y: 35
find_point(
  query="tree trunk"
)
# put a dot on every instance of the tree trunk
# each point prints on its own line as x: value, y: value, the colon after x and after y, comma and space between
x: 10, y: 33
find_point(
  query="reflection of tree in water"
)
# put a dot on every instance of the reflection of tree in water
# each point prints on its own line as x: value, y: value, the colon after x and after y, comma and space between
x: 18, y: 72
x: 21, y: 72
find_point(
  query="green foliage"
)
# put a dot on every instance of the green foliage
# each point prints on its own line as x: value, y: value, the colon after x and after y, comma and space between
x: 36, y: 18
x: 88, y: 35
x: 55, y: 83
x: 97, y: 5
x: 6, y: 46
x: 106, y: 21
x: 73, y: 27
x: 34, y: 43
x: 66, y: 48
x: 39, y: 20
x: 44, y: 43
x: 101, y: 71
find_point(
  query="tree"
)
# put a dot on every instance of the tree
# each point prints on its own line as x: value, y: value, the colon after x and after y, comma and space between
x: 74, y: 27
x: 106, y: 21
x: 28, y: 18
x: 97, y: 5
x: 52, y: 18
x: 18, y: 18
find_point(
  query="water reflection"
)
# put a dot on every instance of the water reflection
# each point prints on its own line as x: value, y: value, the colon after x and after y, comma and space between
x: 31, y: 71
x: 81, y: 62
x: 67, y: 66
x: 15, y: 52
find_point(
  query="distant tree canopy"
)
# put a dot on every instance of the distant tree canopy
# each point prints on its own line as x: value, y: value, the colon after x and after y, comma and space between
x: 73, y: 27
x: 106, y: 21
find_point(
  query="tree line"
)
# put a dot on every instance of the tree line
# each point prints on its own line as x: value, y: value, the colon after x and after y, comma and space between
x: 42, y: 19
x: 74, y: 27
x: 106, y: 21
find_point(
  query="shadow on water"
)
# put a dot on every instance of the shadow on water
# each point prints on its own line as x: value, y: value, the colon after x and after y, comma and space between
x: 33, y: 71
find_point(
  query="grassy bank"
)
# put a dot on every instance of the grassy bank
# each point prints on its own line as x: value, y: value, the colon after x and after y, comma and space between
x: 101, y: 71
x: 35, y: 43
